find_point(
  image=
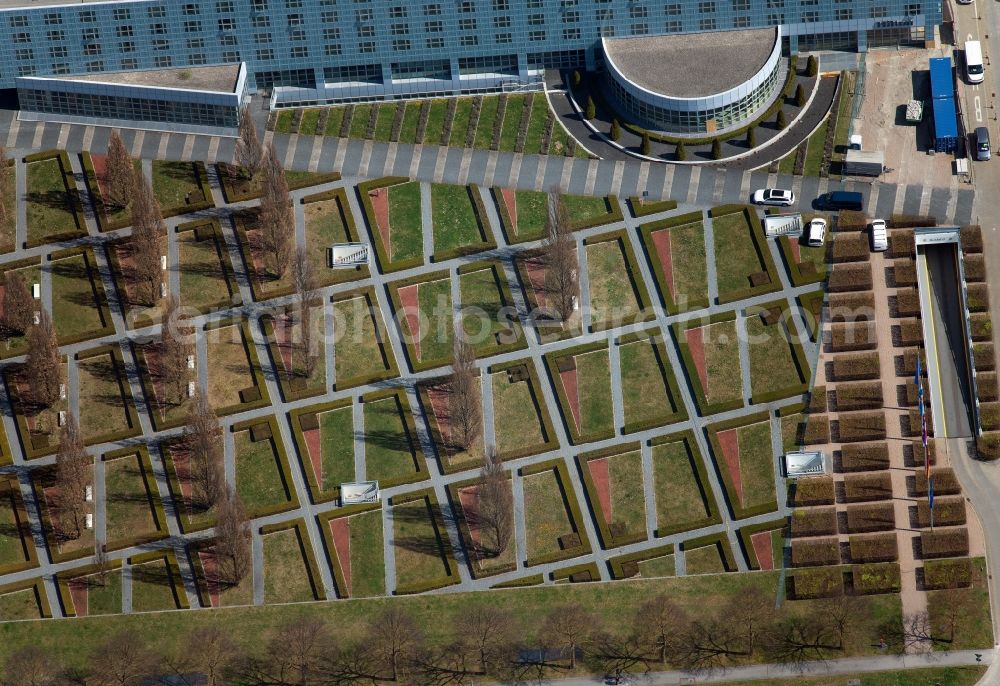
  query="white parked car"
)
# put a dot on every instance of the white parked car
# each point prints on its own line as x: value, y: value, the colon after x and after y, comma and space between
x: 880, y: 238
x: 816, y: 233
x: 774, y: 196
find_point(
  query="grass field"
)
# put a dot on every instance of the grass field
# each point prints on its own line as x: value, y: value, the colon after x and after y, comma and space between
x: 545, y: 513
x: 129, y: 503
x: 102, y: 401
x: 367, y: 556
x: 680, y: 495
x: 594, y: 384
x: 12, y: 529
x: 482, y: 299
x: 689, y: 266
x: 756, y: 464
x: 518, y: 426
x: 9, y: 225
x: 336, y: 439
x: 532, y: 208
x: 772, y: 364
x: 645, y: 394
x: 358, y: 353
x: 974, y: 629
x: 152, y: 587
x: 460, y: 123
x: 936, y: 676
x: 583, y: 209
x: 383, y: 122
x: 722, y: 363
x: 105, y: 599
x: 658, y: 567
x: 418, y: 547
x: 454, y: 218
x: 406, y: 235
x: 174, y: 183
x: 359, y: 121
x: 628, y: 503
x: 286, y: 575
x: 703, y: 560
x: 435, y: 122
x: 814, y: 153
x: 229, y: 367
x: 19, y: 605
x: 259, y: 478
x: 487, y: 115
x: 49, y: 203
x: 735, y: 256
x: 613, y: 296
x: 434, y: 301
x: 390, y: 456
x: 76, y: 309
x: 202, y: 274
x: 324, y: 226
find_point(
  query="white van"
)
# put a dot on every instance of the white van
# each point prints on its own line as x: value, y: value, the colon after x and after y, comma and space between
x: 973, y: 61
x: 880, y: 238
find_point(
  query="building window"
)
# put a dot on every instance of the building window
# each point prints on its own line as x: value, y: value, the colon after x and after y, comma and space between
x: 300, y: 51
x: 638, y: 12
x: 18, y: 20
x: 810, y: 16
x: 367, y: 46
x: 331, y: 34
x: 742, y: 22
x: 53, y: 18
x: 435, y: 43
x: 501, y: 22
x: 190, y: 9
x: 162, y: 61
x: 912, y: 10
x: 536, y: 20
x: 261, y: 21
x: 333, y: 49
x: 160, y: 44
x: 468, y: 41
x: 536, y: 35
x: 124, y: 31
x: 571, y: 17
x: 265, y: 54
x: 297, y: 35
x: 706, y: 7
x: 639, y: 29
x: 503, y: 38
x: 434, y: 26
x: 741, y: 5
x: 130, y: 63
x: 227, y: 24
x: 296, y: 19
x: 844, y: 13
x: 672, y: 10
x: 196, y: 43
x: 366, y: 31
x: 232, y: 56
x: 501, y: 5
x: 92, y: 49
x: 58, y: 52
x: 158, y: 29
x: 466, y: 6
x: 399, y: 29
x: 706, y: 25
x: 122, y: 14
x: 157, y: 12
x: 224, y: 7
x: 22, y: 54
x: 432, y: 10
x: 879, y: 12
x: 126, y: 47
x: 23, y: 37
x: 197, y: 58
x: 571, y: 34
x: 397, y: 12
x: 96, y: 66
x: 262, y: 38
x: 193, y: 26
x: 329, y: 17
x: 467, y: 24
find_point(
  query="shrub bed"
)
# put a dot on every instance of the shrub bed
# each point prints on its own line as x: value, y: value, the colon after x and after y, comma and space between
x: 859, y: 396
x: 850, y: 277
x: 852, y: 336
x: 904, y: 273
x: 945, y: 482
x: 856, y: 367
x: 816, y: 583
x: 917, y: 452
x: 862, y: 426
x: 907, y: 303
x: 978, y: 298
x: 988, y: 446
x: 986, y: 386
x: 944, y: 543
x: 901, y: 244
x: 817, y: 430
x: 875, y: 578
x: 866, y: 487
x: 820, y: 521
x: 982, y: 327
x: 815, y: 553
x: 852, y: 307
x: 984, y: 357
x: 817, y: 490
x: 851, y: 220
x: 910, y: 333
x: 851, y: 247
x: 909, y: 221
x: 864, y: 457
x: 870, y: 517
x: 909, y: 366
x: 989, y: 416
x: 972, y: 239
x: 875, y: 548
x: 817, y: 400
x: 975, y: 268
x: 941, y: 574
x: 947, y: 512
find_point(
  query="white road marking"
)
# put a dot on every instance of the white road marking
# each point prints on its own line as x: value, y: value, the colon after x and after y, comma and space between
x: 979, y: 110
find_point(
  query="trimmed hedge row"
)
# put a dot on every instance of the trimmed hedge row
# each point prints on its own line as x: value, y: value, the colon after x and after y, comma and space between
x: 62, y: 581
x: 978, y: 297
x: 339, y: 580
x: 284, y: 465
x: 917, y: 452
x: 256, y: 370
x: 851, y: 220
x: 972, y: 239
x: 640, y: 208
x: 585, y: 572
x: 605, y: 533
x: 10, y: 493
x: 864, y: 457
x: 850, y: 277
x: 675, y: 410
x: 177, y: 582
x: 911, y: 333
x: 989, y: 416
x: 534, y: 389
x: 850, y: 247
x: 861, y: 426
x: 522, y: 582
x: 818, y: 521
x: 982, y: 327
x: 866, y: 487
x: 942, y: 574
x: 945, y: 482
x: 975, y: 268
x: 863, y: 395
x: 815, y: 490
x: 626, y: 566
x: 801, y: 273
x: 419, y: 457
x: 817, y: 431
x: 868, y: 579
x: 870, y: 517
x: 806, y: 584
x: 721, y: 541
x: 852, y: 307
x: 149, y: 481
x: 461, y: 519
x: 984, y: 357
x: 944, y: 543
x: 815, y: 553
x: 947, y: 512
x: 861, y: 366
x: 744, y: 536
x: 298, y: 417
x: 910, y: 221
x: 909, y: 366
x: 907, y: 303
x: 851, y: 337
x: 614, y: 214
x: 875, y: 548
x: 904, y: 273
x: 986, y: 386
x: 988, y: 446
x: 901, y: 244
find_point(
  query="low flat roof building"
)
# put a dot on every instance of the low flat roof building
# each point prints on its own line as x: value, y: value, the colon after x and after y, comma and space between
x: 695, y: 84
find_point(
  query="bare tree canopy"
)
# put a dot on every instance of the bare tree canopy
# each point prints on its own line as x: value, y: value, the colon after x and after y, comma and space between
x: 123, y: 660
x: 120, y: 172
x: 43, y: 363
x: 489, y: 631
x: 394, y: 636
x: 275, y: 219
x: 174, y: 352
x: 207, y: 658
x: 661, y: 620
x: 204, y: 442
x: 248, y: 150
x: 73, y: 474
x: 562, y: 279
x: 18, y: 304
x: 465, y: 412
x: 30, y: 666
x: 570, y: 626
x: 147, y: 228
x: 232, y: 538
x: 305, y: 285
x: 495, y: 506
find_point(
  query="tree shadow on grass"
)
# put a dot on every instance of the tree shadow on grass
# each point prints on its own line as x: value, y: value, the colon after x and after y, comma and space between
x: 56, y: 200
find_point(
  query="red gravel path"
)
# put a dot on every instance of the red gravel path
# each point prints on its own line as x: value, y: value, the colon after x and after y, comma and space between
x: 696, y: 344
x: 411, y: 312
x: 510, y: 200
x: 79, y: 594
x: 2, y: 290
x: 101, y: 171
x: 730, y: 443
x: 340, y: 529
x: 315, y: 450
x: 380, y: 204
x: 469, y: 497
x: 283, y: 339
x: 151, y: 353
x: 796, y: 255
x: 211, y: 567
x: 181, y: 457
x: 762, y: 548
x: 661, y: 241
x: 601, y: 475
x: 438, y: 396
x: 569, y: 383
x: 536, y: 279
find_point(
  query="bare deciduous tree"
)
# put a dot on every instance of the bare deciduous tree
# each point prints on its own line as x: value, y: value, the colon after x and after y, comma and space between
x: 394, y: 635
x: 748, y: 614
x: 73, y: 474
x: 465, y: 414
x: 349, y: 665
x: 275, y: 220
x: 206, y: 658
x: 174, y: 352
x: 248, y: 150
x: 123, y: 660
x: 954, y: 605
x: 495, y: 511
x: 802, y: 639
x: 661, y: 619
x: 43, y: 363
x: 30, y: 666
x: 571, y: 626
x: 562, y: 279
x: 707, y: 645
x: 120, y: 173
x: 489, y: 631
x: 17, y: 304
x: 443, y: 665
x: 620, y: 654
x: 101, y: 563
x: 304, y: 282
x: 144, y: 245
x: 204, y: 442
x: 232, y: 538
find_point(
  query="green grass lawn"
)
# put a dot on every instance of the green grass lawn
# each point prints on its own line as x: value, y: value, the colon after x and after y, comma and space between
x: 107, y: 599
x: 310, y: 119
x: 358, y: 353
x: 628, y: 503
x: 974, y: 629
x: 152, y: 587
x: 390, y: 456
x: 336, y: 439
x: 735, y: 256
x: 76, y: 311
x: 594, y: 384
x: 454, y: 217
x: 787, y: 163
x: 202, y: 276
x: 11, y: 542
x: 814, y: 153
x: 259, y: 478
x: 511, y: 122
x: 173, y: 183
x: 283, y: 124
x: 49, y: 202
x: 406, y: 233
x: 532, y: 208
x: 645, y: 394
x: 129, y: 503
x: 844, y: 118
x: 583, y: 209
x: 559, y: 141
x: 482, y: 300
x: 383, y: 124
x: 518, y: 426
x: 613, y: 297
x: 772, y: 365
x: 689, y: 265
x: 658, y: 567
x: 19, y: 605
x: 418, y: 546
x: 536, y: 124
x: 545, y: 513
x: 756, y: 464
x: 8, y: 227
x: 487, y: 115
x: 324, y: 225
x: 435, y: 122
x: 334, y: 121
x: 102, y: 404
x: 680, y: 495
x: 936, y: 676
x: 229, y: 367
x: 434, y: 299
x: 790, y: 430
x: 367, y: 556
x: 722, y: 363
x: 704, y: 560
x: 286, y: 575
x: 359, y: 122
x: 411, y: 117
x: 460, y: 124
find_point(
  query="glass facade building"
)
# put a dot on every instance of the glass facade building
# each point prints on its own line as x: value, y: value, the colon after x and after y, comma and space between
x: 314, y: 51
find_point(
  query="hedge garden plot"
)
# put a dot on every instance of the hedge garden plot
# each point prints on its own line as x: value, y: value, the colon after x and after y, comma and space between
x: 38, y: 425
x: 54, y: 211
x: 585, y: 211
x: 582, y: 378
x: 165, y: 411
x: 24, y: 600
x: 522, y: 425
x: 806, y: 264
x: 744, y: 457
x: 181, y: 187
x: 532, y: 272
x: 523, y: 214
x: 17, y: 549
x: 553, y: 520
x: 684, y: 500
x: 613, y: 481
x: 708, y: 555
x: 237, y: 188
x: 764, y: 544
x: 235, y: 379
x: 393, y: 213
x: 95, y: 171
x: 711, y: 357
x: 392, y: 455
x: 89, y: 593
x: 436, y: 398
x: 424, y: 558
x: 328, y: 221
x: 675, y: 248
x: 107, y: 412
x: 66, y: 539
x: 361, y: 350
x: 743, y: 263
x: 79, y: 307
x: 459, y: 221
x: 263, y: 475
x: 264, y: 280
x: 8, y: 227
x: 290, y: 571
x: 489, y: 319
x: 283, y: 331
x: 650, y: 396
x: 134, y: 514
x: 424, y: 309
x: 157, y: 583
x: 488, y: 554
x: 617, y: 293
x: 651, y: 562
x: 778, y: 364
x: 354, y: 542
x: 213, y: 589
x: 30, y: 270
x: 324, y: 436
x: 139, y: 309
x: 206, y: 280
